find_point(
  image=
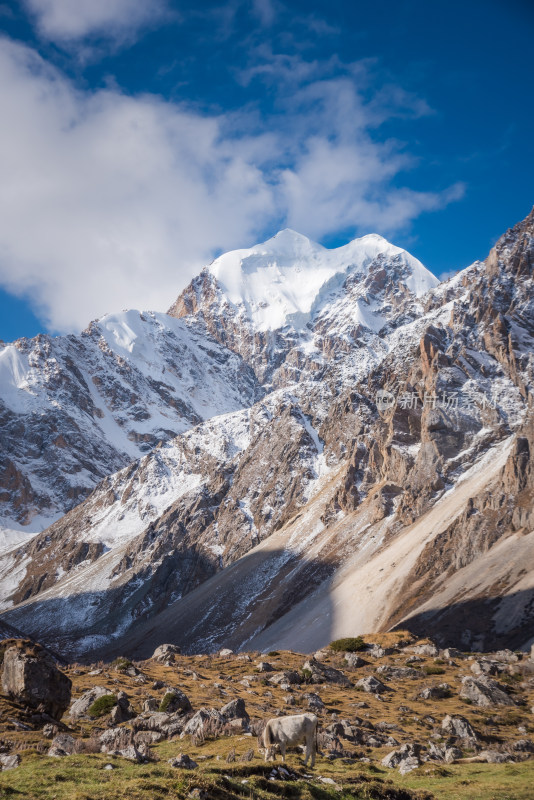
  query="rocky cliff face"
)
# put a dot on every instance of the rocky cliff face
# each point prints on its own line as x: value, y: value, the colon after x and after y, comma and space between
x: 74, y: 409
x: 384, y: 477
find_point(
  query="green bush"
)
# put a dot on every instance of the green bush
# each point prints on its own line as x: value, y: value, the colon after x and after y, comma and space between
x: 351, y: 644
x: 102, y: 705
x: 432, y: 669
x: 306, y: 675
x: 273, y: 653
x: 121, y: 664
x: 167, y: 699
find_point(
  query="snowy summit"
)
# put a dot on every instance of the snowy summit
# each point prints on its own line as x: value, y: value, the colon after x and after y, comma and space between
x: 285, y: 279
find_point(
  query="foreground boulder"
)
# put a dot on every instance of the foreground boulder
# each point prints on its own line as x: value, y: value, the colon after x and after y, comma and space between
x: 31, y: 676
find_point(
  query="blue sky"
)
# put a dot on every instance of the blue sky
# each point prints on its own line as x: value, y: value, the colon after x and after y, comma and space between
x: 138, y: 140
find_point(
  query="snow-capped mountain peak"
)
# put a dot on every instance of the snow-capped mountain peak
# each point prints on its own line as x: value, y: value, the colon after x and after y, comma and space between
x: 281, y: 281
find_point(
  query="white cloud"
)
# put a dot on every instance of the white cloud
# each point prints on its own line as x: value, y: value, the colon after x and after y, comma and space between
x: 110, y: 201
x: 65, y: 20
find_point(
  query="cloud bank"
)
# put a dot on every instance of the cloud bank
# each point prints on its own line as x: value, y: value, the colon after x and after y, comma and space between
x: 63, y: 21
x: 110, y: 201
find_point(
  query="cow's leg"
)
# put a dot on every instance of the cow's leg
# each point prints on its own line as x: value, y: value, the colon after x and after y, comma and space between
x: 283, y: 751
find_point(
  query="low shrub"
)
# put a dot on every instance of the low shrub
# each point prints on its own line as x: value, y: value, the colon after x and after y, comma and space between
x: 167, y: 700
x: 432, y: 669
x: 351, y: 644
x: 102, y: 706
x: 121, y: 664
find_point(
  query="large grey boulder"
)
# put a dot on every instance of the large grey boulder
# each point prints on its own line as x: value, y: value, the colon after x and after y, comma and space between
x: 81, y: 706
x: 31, y: 676
x: 484, y: 692
x: 459, y: 727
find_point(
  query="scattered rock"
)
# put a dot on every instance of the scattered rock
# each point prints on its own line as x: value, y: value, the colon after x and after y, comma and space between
x: 49, y: 731
x: 354, y: 661
x: 31, y: 676
x: 264, y: 666
x: 235, y: 709
x: 289, y: 700
x: 398, y: 673
x: 493, y: 757
x: 485, y: 667
x: 406, y: 758
x: 439, y: 692
x: 452, y: 754
x: 371, y: 684
x: 80, y: 707
x: 429, y: 649
x: 451, y: 653
x: 62, y: 745
x: 313, y: 702
x: 166, y: 653
x: 116, y: 739
x: 508, y: 656
x: 175, y: 700
x: 132, y: 753
x: 9, y: 761
x: 226, y: 652
x: 288, y: 676
x: 459, y: 727
x: 484, y: 692
x: 182, y: 761
x: 150, y: 704
x: 201, y: 720
x: 320, y: 673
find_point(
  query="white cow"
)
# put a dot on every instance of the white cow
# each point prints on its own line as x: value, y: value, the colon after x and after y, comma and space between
x: 289, y: 731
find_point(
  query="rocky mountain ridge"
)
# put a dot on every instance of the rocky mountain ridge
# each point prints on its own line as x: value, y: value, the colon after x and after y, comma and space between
x: 392, y: 477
